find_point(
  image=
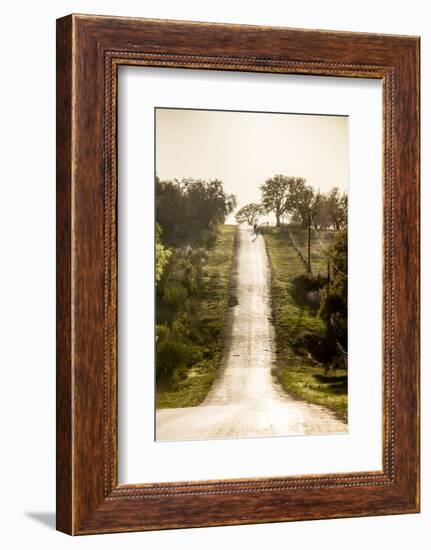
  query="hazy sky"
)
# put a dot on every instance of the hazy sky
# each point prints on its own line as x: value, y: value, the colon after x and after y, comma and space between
x: 244, y: 149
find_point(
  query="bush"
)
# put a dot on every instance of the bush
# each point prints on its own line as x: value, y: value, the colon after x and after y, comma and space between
x: 322, y: 348
x: 333, y: 309
x: 175, y: 353
x: 313, y: 298
x: 171, y: 355
x: 186, y: 268
x: 162, y: 254
x: 174, y: 294
x: 195, y: 354
x: 162, y: 332
x: 306, y: 290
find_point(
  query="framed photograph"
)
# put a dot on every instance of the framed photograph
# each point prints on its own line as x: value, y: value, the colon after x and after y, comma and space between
x: 237, y: 274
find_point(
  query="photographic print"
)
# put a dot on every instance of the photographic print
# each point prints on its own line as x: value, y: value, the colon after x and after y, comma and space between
x: 251, y: 275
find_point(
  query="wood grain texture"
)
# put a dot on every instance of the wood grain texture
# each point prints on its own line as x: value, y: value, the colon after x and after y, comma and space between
x: 64, y: 497
x: 90, y: 49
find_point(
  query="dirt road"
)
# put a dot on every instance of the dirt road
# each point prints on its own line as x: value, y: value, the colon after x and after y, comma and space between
x: 246, y: 401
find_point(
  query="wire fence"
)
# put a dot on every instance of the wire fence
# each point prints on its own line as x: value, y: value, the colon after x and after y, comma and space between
x: 326, y: 250
x: 298, y: 249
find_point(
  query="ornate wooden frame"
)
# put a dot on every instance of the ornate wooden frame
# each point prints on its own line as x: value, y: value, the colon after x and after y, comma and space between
x: 89, y: 51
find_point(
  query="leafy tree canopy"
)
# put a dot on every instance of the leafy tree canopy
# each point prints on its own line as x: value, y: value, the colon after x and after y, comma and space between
x: 291, y: 195
x: 250, y: 213
x: 190, y: 209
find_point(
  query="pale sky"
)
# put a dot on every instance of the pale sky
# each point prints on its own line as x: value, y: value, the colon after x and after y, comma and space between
x: 244, y: 149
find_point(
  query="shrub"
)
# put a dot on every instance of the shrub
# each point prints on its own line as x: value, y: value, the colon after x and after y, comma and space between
x: 162, y: 254
x: 194, y: 355
x: 306, y: 290
x: 313, y: 298
x: 162, y: 332
x: 171, y: 355
x: 186, y: 268
x: 322, y: 348
x: 333, y: 309
x: 174, y: 294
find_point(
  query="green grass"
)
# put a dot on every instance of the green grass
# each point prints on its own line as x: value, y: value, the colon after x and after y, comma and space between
x: 190, y: 391
x: 311, y: 384
x: 210, y: 315
x: 300, y: 376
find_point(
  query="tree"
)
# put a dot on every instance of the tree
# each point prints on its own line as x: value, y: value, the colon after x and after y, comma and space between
x: 327, y: 210
x: 301, y: 200
x: 290, y: 195
x: 170, y: 201
x: 334, y: 307
x: 337, y: 208
x: 189, y: 210
x: 274, y: 194
x: 322, y: 216
x: 249, y: 213
x: 207, y: 203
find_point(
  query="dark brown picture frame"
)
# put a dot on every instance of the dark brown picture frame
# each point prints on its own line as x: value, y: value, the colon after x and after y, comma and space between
x: 89, y: 51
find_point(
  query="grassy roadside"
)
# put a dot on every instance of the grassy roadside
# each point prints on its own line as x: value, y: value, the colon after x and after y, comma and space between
x: 210, y: 316
x: 300, y: 376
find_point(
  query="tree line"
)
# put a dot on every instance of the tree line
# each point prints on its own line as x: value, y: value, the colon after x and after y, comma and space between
x: 189, y: 210
x: 286, y: 195
x: 188, y: 214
